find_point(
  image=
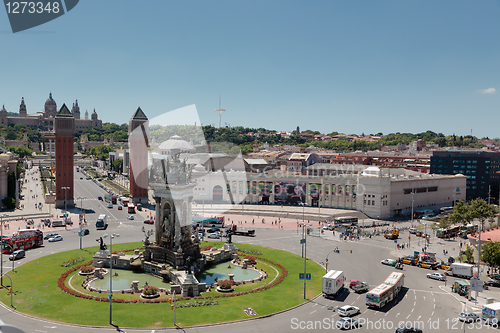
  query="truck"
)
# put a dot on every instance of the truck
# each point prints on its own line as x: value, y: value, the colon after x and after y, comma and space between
x: 460, y: 270
x: 491, y: 313
x: 58, y: 223
x: 101, y: 223
x: 333, y: 283
x: 234, y: 230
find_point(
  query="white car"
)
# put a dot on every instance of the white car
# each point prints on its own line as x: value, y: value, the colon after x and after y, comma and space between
x: 347, y: 323
x: 214, y: 235
x: 130, y: 217
x: 56, y: 238
x: 348, y: 310
x: 468, y: 317
x: 110, y: 205
x: 436, y: 276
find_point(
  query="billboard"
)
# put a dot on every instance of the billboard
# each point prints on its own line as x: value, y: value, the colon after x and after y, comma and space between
x: 289, y: 193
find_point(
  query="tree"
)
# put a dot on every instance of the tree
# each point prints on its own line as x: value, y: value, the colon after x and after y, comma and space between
x: 469, y: 254
x: 117, y: 165
x: 481, y: 210
x: 491, y: 253
x: 22, y: 151
x: 461, y: 214
x: 443, y: 223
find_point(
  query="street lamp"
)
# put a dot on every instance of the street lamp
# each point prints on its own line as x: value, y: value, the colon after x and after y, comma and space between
x: 412, y: 193
x: 65, y: 201
x: 110, y: 296
x: 81, y: 218
x: 303, y: 205
x: 2, y: 247
x: 304, y: 227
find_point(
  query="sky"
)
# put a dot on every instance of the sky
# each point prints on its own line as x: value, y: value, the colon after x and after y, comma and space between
x: 350, y: 66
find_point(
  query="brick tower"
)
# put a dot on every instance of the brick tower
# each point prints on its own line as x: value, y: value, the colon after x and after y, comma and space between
x: 138, y: 130
x: 64, y: 130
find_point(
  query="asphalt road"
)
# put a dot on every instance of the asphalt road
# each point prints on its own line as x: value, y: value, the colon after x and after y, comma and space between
x: 422, y: 302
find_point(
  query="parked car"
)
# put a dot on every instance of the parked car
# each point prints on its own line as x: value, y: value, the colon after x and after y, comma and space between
x: 436, y: 276
x: 53, y: 234
x: 347, y: 323
x: 468, y: 317
x: 389, y: 262
x: 131, y: 217
x: 16, y: 255
x: 149, y: 221
x: 408, y: 329
x: 56, y: 238
x: 348, y: 310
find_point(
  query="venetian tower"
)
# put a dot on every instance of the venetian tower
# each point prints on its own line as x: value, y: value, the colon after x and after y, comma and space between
x: 138, y: 130
x: 64, y: 131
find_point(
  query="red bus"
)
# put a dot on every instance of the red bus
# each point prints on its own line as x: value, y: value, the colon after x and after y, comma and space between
x: 22, y: 240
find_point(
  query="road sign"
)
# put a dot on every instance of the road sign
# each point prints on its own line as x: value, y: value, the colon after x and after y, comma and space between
x: 476, y: 284
x: 308, y: 276
x: 301, y: 276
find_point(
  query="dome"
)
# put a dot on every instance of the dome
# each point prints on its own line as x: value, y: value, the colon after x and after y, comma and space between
x: 94, y: 115
x: 50, y: 100
x: 3, y: 112
x: 175, y: 142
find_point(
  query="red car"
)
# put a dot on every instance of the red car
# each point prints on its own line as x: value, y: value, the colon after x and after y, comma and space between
x: 353, y: 283
x: 149, y: 221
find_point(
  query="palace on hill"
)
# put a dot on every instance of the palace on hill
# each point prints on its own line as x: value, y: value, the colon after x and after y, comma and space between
x: 45, y: 119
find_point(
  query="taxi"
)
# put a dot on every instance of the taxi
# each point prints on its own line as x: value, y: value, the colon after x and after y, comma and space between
x: 409, y: 260
x: 428, y: 264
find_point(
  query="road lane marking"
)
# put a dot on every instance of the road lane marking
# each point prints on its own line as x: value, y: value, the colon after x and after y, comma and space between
x: 315, y: 304
x: 313, y: 312
x: 419, y: 317
x: 408, y: 316
x: 397, y: 314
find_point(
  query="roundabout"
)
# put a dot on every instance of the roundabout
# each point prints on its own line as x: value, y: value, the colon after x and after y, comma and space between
x: 45, y: 289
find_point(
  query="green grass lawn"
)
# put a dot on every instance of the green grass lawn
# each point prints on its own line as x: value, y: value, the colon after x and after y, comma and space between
x: 36, y: 293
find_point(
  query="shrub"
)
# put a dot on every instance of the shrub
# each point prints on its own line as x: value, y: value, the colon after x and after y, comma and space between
x: 206, y: 247
x: 150, y: 290
x: 251, y: 259
x: 225, y: 284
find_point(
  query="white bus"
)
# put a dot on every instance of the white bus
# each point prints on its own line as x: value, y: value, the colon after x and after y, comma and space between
x: 346, y: 220
x: 382, y: 294
x: 101, y: 223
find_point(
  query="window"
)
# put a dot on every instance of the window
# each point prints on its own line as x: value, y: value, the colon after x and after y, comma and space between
x: 407, y: 190
x: 421, y: 189
x: 432, y: 189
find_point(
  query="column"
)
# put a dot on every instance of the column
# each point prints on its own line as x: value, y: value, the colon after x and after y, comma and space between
x: 322, y: 194
x: 330, y: 195
x: 308, y: 197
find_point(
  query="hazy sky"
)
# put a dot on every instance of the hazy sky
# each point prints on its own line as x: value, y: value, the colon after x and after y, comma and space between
x: 348, y: 66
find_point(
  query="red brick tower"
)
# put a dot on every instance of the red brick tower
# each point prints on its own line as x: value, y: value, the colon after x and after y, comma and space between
x: 64, y: 130
x: 138, y: 130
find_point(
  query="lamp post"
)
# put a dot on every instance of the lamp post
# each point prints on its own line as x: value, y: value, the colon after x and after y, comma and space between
x: 304, y: 227
x: 110, y: 296
x: 2, y: 247
x: 81, y: 219
x: 425, y: 232
x: 412, y: 193
x: 303, y: 205
x: 65, y: 200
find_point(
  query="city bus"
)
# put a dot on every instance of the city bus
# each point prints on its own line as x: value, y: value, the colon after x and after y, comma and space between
x: 131, y: 208
x: 382, y: 294
x: 419, y: 214
x: 22, y: 240
x: 217, y: 221
x: 124, y: 201
x: 445, y: 210
x: 346, y: 220
x: 448, y: 233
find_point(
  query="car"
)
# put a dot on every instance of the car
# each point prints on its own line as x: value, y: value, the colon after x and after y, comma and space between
x: 408, y: 329
x: 131, y: 217
x: 353, y: 283
x: 99, y: 198
x: 81, y: 177
x: 389, y: 262
x: 47, y: 236
x: 428, y: 264
x: 468, y: 317
x: 361, y: 287
x: 56, y: 238
x: 436, y: 276
x: 85, y: 232
x: 347, y: 323
x: 492, y: 283
x: 409, y: 260
x: 149, y: 221
x: 214, y: 235
x: 348, y: 310
x: 327, y: 227
x: 110, y: 205
x: 213, y: 229
x: 120, y: 207
x: 17, y: 255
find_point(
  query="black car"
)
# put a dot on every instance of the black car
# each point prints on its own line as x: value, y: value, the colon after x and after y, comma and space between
x: 99, y: 198
x: 408, y: 329
x: 492, y: 283
x: 211, y: 230
x: 85, y: 232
